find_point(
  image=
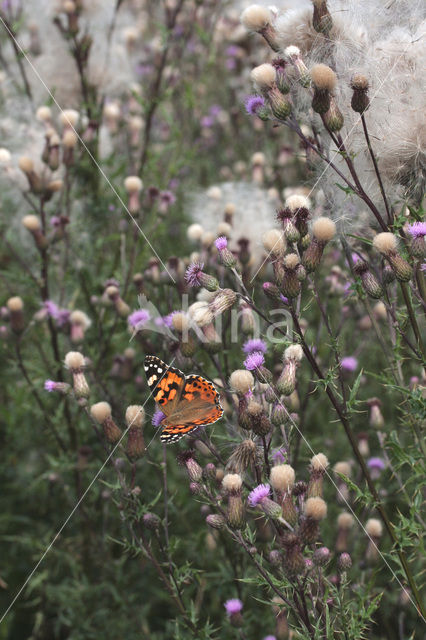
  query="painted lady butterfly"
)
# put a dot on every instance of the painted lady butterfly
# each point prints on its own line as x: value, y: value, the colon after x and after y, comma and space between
x: 188, y: 402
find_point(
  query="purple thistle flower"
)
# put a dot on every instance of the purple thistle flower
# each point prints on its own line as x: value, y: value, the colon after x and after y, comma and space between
x: 255, y: 344
x: 215, y: 109
x: 193, y: 274
x: 376, y: 463
x: 157, y: 417
x: 221, y: 243
x: 269, y: 638
x: 55, y: 221
x: 138, y: 318
x: 423, y: 267
x: 233, y: 606
x: 63, y: 317
x: 207, y: 122
x: 51, y: 308
x: 50, y: 385
x: 417, y: 229
x: 253, y: 104
x: 283, y: 299
x: 349, y: 363
x: 254, y: 361
x: 258, y: 494
x: 279, y: 456
x: 232, y: 50
x: 168, y: 197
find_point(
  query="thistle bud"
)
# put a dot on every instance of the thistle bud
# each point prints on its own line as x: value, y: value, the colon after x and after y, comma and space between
x: 344, y: 562
x: 324, y: 81
x: 315, y: 509
x: 374, y: 530
x: 376, y: 418
x: 370, y: 283
x: 121, y: 307
x: 244, y: 456
x: 299, y: 208
x: 294, y: 562
x: 345, y: 522
x: 321, y: 556
x: 15, y: 306
x: 223, y: 300
x: 195, y: 472
x: 135, y: 416
x: 319, y: 464
x: 241, y: 381
x: 74, y: 360
x: 286, y: 383
x: 386, y: 244
x: 259, y: 422
x: 281, y: 78
x: 27, y: 166
x: 151, y: 521
x: 248, y: 319
x: 79, y: 323
x: 321, y: 20
x: 333, y: 118
x: 279, y: 413
x: 264, y: 76
x: 360, y: 100
x: 232, y: 484
x: 133, y: 186
x: 282, y: 480
x: 101, y: 412
x: 293, y: 53
x: 344, y: 469
x: 272, y: 291
x: 216, y: 521
x: 290, y: 285
x: 226, y: 256
x: 33, y: 225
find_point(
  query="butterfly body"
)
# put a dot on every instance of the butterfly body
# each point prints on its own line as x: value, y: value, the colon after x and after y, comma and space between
x: 188, y: 402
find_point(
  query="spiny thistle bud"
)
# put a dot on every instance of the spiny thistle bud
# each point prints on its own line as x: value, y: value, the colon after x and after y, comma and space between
x: 294, y: 562
x: 293, y: 53
x: 281, y: 78
x: 27, y: 166
x: 241, y: 381
x: 74, y: 360
x: 216, y: 521
x: 282, y: 480
x: 319, y: 464
x: 315, y: 509
x: 388, y: 275
x: 363, y: 446
x: 33, y: 225
x: 232, y: 484
x: 374, y: 530
x: 259, y: 421
x: 248, y: 319
x: 290, y: 285
x: 62, y: 387
x: 195, y: 472
x: 344, y: 562
x: 286, y: 217
x: 223, y: 300
x: 101, y: 412
x: 272, y: 291
x: 227, y: 257
x: 121, y: 307
x: 323, y: 230
x: 15, y: 306
x: 345, y: 522
x: 279, y: 413
x: 275, y: 558
x: 79, y: 322
x: 321, y: 20
x: 286, y: 383
x: 333, y: 118
x: 135, y: 416
x: 376, y: 418
x: 370, y: 283
x: 324, y: 81
x: 321, y: 556
x: 360, y: 100
x: 151, y: 521
x: 386, y: 244
x: 244, y: 456
x: 259, y: 19
x: 233, y: 610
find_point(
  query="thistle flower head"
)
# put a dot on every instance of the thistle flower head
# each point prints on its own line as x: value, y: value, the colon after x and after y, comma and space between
x: 157, y: 417
x: 417, y: 229
x: 74, y: 360
x: 315, y: 508
x: 254, y: 345
x: 323, y: 78
x: 233, y: 606
x: 349, y: 363
x: 50, y: 385
x: 293, y: 352
x: 258, y: 494
x: 193, y: 275
x: 282, y: 477
x: 221, y: 243
x: 138, y: 318
x: 254, y: 361
x: 254, y: 103
x: 376, y: 464
x: 241, y: 381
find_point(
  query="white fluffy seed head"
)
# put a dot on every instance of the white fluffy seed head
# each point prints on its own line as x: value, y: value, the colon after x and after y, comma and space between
x: 100, y: 411
x: 135, y: 415
x: 80, y: 318
x: 31, y: 222
x: 296, y: 202
x: 112, y: 291
x: 345, y: 520
x: 15, y: 304
x: 230, y: 208
x: 264, y: 76
x: 256, y: 17
x: 343, y: 468
x: 200, y: 313
x: 69, y: 139
x: 26, y: 164
x: 274, y: 242
x: 5, y: 156
x: 315, y: 508
x: 258, y: 158
x: 374, y: 528
x: 194, y: 232
x: 293, y: 352
x: 44, y: 114
x: 232, y: 482
x: 74, y: 360
x: 241, y: 381
x: 69, y: 117
x: 207, y: 239
x: 319, y: 462
x: 324, y: 229
x: 292, y: 51
x: 385, y: 242
x: 180, y: 321
x: 132, y: 184
x: 291, y: 260
x: 323, y: 77
x: 282, y: 477
x: 224, y: 229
